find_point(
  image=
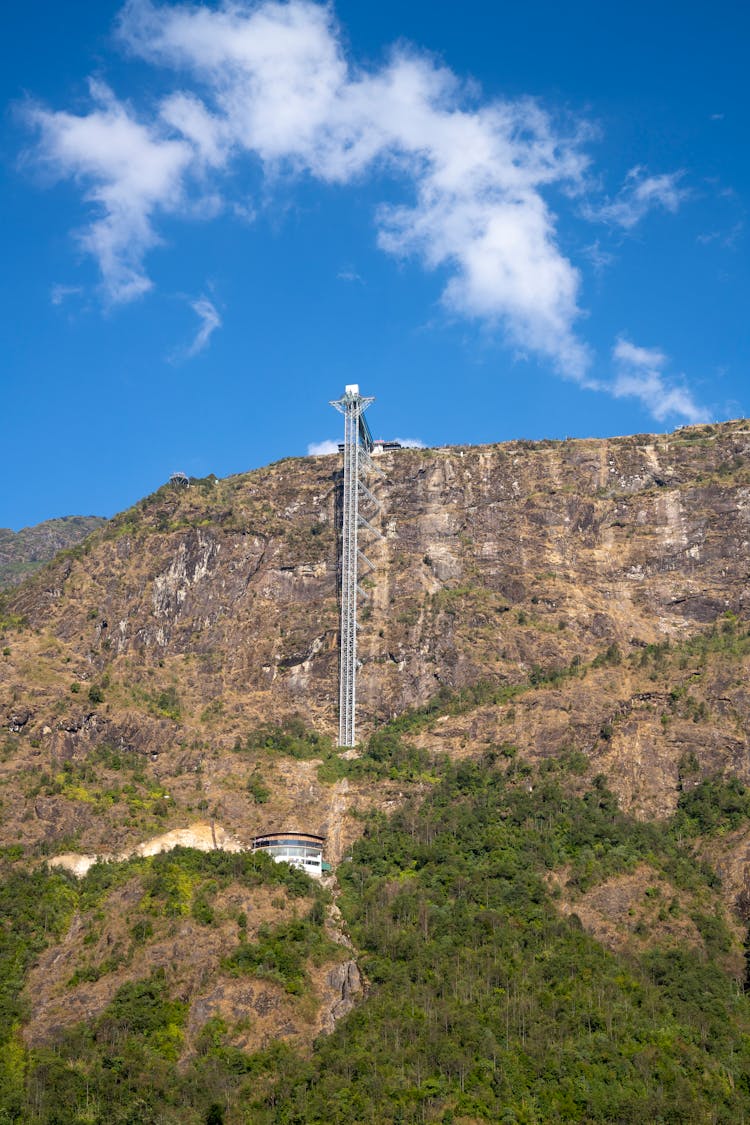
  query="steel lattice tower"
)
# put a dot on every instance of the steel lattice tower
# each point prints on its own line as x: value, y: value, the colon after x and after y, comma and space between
x: 357, y: 447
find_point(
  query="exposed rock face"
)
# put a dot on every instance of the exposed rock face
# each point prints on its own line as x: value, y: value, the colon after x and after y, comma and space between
x: 344, y: 985
x: 596, y: 540
x: 494, y: 560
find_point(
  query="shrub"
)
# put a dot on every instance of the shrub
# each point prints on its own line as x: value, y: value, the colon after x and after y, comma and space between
x: 257, y: 789
x: 292, y: 738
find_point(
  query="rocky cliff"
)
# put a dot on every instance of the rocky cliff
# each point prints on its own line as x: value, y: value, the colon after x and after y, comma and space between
x: 494, y: 562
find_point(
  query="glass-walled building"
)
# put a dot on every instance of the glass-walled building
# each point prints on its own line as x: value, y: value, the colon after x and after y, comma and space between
x: 302, y: 849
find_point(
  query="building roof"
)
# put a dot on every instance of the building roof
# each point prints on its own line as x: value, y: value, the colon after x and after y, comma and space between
x: 289, y: 834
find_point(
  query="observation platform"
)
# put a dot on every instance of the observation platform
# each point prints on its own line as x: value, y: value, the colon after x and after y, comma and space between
x: 301, y: 849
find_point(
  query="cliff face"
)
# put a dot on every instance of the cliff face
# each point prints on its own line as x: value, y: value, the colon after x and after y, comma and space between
x: 135, y: 665
x: 633, y: 540
x: 218, y: 602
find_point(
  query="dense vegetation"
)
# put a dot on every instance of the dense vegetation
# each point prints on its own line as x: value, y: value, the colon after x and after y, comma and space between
x: 485, y: 1002
x: 385, y: 755
x: 121, y: 1067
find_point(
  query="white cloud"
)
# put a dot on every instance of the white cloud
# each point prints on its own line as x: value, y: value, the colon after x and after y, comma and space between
x: 128, y: 171
x: 411, y: 442
x: 640, y: 374
x: 322, y: 448
x: 187, y: 115
x: 209, y: 322
x: 640, y: 194
x: 272, y: 80
x: 275, y: 83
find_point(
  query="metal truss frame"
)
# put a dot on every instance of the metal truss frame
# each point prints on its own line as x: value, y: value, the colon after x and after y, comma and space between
x: 357, y: 462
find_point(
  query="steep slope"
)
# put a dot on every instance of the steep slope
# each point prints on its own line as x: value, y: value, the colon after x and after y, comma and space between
x: 186, y: 621
x: 22, y: 552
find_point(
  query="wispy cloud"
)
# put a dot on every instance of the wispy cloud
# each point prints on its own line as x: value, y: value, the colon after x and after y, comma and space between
x: 322, y: 448
x: 411, y: 442
x: 209, y: 321
x: 640, y: 374
x: 599, y: 258
x: 639, y: 194
x: 245, y: 212
x: 275, y: 82
x: 727, y: 238
x: 60, y: 293
x: 350, y: 275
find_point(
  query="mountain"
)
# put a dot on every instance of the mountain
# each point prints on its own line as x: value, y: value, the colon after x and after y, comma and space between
x: 22, y: 552
x: 540, y: 847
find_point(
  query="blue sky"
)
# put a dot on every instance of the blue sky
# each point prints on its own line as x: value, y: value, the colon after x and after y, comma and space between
x: 501, y: 220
